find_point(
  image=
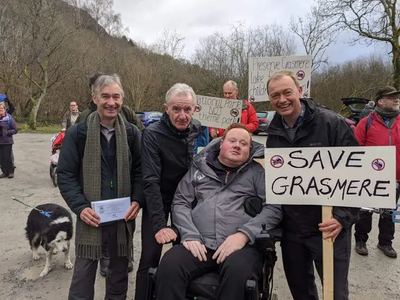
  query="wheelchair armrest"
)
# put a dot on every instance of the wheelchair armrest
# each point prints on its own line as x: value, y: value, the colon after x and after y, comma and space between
x: 266, y: 239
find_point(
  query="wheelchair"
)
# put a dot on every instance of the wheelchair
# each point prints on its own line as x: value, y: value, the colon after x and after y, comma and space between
x: 206, y: 286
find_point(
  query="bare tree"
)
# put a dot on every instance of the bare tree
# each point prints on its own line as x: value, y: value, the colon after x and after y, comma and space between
x: 373, y: 20
x: 47, y: 57
x: 316, y: 34
x: 171, y: 43
x: 227, y: 56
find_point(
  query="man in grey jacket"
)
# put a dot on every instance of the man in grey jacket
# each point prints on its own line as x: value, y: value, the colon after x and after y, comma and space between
x: 208, y: 210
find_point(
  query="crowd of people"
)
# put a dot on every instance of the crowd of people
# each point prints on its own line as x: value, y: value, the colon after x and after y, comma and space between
x: 197, y: 200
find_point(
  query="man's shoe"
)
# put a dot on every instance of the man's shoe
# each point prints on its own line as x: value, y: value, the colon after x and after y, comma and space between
x: 11, y: 175
x: 130, y: 266
x: 361, y: 248
x: 104, y: 262
x: 3, y: 175
x: 388, y: 250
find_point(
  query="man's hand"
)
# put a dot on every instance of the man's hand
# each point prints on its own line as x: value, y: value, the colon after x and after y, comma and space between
x: 330, y: 229
x: 165, y: 236
x: 132, y: 211
x: 90, y: 217
x: 197, y: 249
x: 233, y: 243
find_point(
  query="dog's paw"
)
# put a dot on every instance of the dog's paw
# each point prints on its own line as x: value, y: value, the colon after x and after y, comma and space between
x: 55, y: 251
x: 36, y: 256
x: 69, y: 265
x: 45, y: 272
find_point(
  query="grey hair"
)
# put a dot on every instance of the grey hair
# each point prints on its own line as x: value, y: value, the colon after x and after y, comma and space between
x: 106, y: 80
x: 232, y: 83
x: 180, y: 89
x: 2, y: 105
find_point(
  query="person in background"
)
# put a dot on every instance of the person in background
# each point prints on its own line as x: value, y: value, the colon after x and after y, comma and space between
x: 70, y: 116
x: 249, y: 115
x: 369, y: 108
x: 8, y: 128
x: 380, y: 128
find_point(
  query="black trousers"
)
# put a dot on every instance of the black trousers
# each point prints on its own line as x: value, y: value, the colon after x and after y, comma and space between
x: 83, y: 279
x: 5, y: 159
x: 298, y: 255
x: 150, y: 257
x: 178, y: 267
x: 364, y: 226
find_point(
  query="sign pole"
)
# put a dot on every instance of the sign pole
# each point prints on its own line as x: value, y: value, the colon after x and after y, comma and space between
x: 327, y: 258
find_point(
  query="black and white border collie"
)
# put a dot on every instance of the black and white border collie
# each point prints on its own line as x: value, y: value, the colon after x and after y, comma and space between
x: 52, y: 232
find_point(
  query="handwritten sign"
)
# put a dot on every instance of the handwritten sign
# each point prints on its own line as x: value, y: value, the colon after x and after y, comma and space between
x: 340, y: 176
x: 217, y: 112
x: 261, y: 69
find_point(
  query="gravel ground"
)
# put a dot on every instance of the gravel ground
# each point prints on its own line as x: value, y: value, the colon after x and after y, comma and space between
x: 373, y: 277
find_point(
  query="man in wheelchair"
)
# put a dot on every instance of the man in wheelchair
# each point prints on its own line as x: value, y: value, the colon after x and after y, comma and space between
x: 213, y: 210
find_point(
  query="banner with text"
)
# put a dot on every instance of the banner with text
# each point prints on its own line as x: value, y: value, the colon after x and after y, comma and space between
x: 261, y: 69
x: 217, y: 112
x: 340, y: 176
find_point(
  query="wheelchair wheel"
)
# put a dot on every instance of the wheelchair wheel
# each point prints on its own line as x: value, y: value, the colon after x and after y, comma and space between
x: 54, y: 176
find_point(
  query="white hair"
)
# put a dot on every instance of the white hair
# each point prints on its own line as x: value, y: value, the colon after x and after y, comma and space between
x: 180, y: 89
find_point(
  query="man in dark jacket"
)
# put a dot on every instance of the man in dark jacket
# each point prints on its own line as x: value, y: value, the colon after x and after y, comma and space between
x: 219, y: 233
x: 167, y: 152
x: 97, y: 163
x: 301, y: 124
x: 127, y: 113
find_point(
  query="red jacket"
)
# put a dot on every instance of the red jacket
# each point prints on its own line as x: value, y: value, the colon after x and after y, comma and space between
x: 249, y: 118
x: 379, y: 135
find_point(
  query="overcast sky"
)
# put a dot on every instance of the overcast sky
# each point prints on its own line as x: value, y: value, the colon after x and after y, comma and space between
x: 194, y: 19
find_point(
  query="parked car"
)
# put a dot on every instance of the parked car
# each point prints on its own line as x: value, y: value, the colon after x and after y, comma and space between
x: 264, y: 117
x: 148, y: 117
x: 355, y: 105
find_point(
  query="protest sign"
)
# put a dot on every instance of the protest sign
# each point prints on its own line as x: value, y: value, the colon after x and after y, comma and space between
x: 336, y: 176
x: 217, y: 112
x: 261, y: 69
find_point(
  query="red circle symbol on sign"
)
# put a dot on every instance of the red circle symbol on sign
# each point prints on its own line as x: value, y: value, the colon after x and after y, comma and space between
x: 277, y: 161
x: 378, y: 164
x: 300, y: 74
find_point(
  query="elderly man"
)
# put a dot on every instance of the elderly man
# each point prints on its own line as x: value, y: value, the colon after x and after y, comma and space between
x: 380, y: 128
x: 209, y: 211
x: 70, y: 116
x: 100, y: 160
x: 249, y: 115
x: 167, y: 152
x: 300, y: 123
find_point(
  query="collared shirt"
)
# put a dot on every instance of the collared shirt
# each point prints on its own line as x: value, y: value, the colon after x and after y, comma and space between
x: 107, y: 131
x: 298, y: 120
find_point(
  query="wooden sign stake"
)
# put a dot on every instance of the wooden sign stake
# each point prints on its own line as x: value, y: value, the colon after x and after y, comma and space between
x: 327, y: 258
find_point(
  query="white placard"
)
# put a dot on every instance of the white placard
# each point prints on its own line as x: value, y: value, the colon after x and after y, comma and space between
x: 112, y: 209
x: 217, y: 112
x: 261, y: 69
x: 334, y: 176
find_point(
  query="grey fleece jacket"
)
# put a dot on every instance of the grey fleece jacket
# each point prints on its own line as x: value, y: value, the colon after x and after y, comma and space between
x: 219, y: 211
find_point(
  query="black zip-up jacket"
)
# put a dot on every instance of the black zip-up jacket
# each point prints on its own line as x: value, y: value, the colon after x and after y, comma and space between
x: 167, y: 154
x: 320, y: 128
